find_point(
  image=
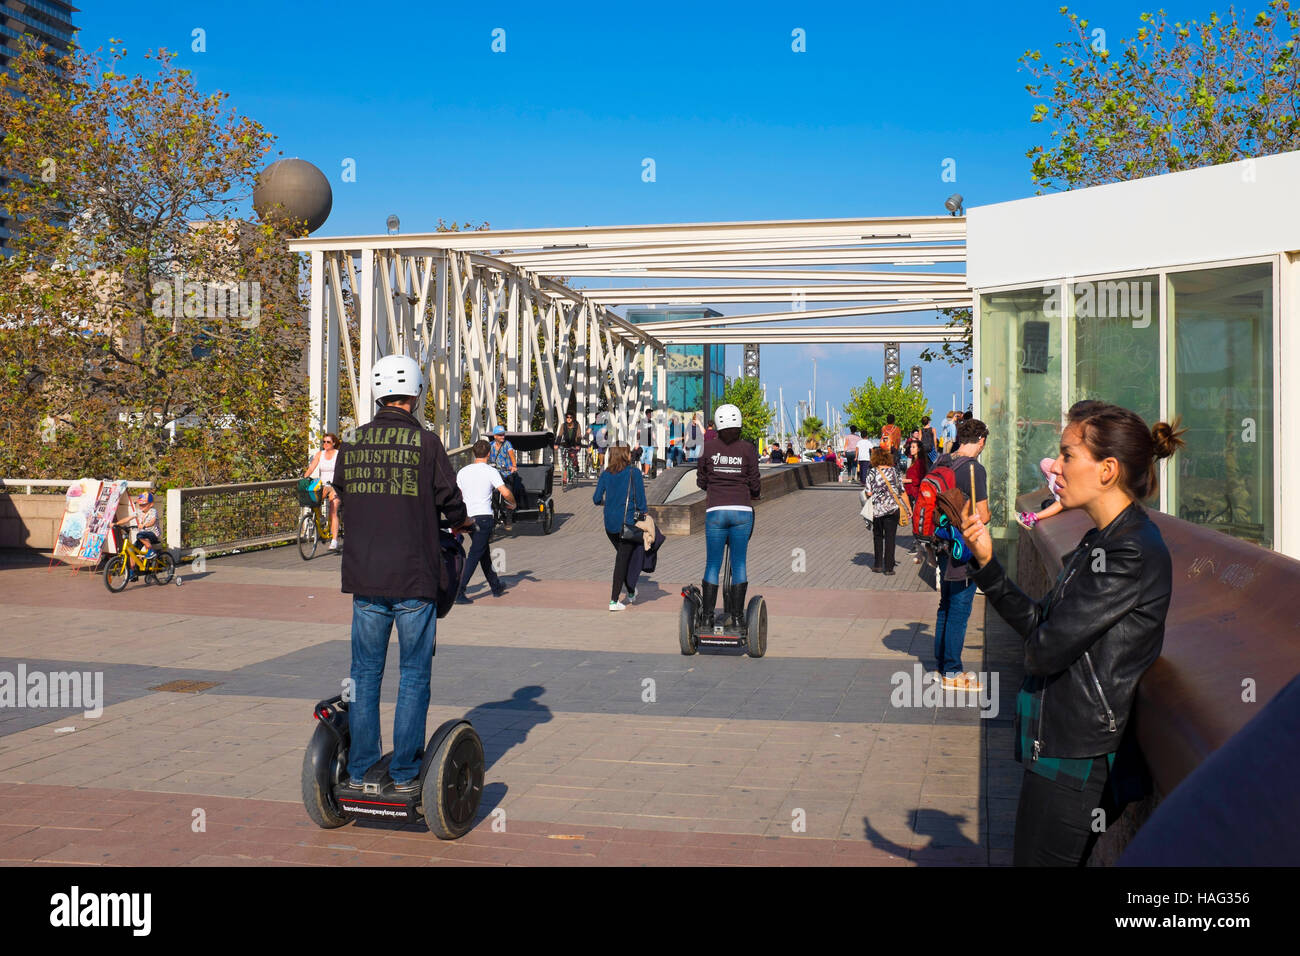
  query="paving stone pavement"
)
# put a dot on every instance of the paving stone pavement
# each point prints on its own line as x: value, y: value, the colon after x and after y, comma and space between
x: 605, y: 745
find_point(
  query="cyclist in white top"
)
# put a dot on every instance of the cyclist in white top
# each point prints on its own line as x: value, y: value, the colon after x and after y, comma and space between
x: 322, y: 467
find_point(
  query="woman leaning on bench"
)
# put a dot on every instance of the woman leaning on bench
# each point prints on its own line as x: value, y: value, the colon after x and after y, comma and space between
x: 1088, y: 643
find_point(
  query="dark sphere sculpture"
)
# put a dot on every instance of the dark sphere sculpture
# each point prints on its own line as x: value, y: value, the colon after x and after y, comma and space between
x: 293, y: 189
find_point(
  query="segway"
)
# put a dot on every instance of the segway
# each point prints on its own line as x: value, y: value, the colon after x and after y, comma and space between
x: 451, y: 778
x: 750, y: 634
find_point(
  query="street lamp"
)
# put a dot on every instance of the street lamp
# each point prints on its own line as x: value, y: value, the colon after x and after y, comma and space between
x: 953, y: 204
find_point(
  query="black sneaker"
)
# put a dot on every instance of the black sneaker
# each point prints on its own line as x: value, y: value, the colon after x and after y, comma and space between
x: 463, y: 599
x: 413, y: 785
x: 499, y: 590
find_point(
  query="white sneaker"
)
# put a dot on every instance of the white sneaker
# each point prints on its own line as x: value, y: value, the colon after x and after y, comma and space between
x: 631, y: 597
x: 617, y: 606
x: 334, y: 544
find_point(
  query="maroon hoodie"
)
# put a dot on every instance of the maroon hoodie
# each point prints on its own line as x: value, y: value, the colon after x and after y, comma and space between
x: 729, y: 473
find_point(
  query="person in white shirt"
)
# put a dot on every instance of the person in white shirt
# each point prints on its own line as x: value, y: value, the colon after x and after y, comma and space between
x: 322, y: 467
x: 476, y: 483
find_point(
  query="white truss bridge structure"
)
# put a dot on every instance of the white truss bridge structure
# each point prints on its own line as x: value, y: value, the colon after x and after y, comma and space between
x: 514, y: 314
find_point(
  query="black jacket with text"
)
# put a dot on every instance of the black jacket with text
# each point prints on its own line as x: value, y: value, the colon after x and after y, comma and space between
x: 393, y: 482
x: 1088, y: 643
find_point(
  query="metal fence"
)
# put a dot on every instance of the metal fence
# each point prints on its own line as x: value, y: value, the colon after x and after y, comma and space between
x: 226, y: 517
x: 223, y: 517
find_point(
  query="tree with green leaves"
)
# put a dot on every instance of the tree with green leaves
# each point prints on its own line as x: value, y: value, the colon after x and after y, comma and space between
x: 957, y: 352
x: 870, y: 405
x: 813, y: 429
x: 1174, y: 96
x: 755, y: 414
x: 146, y: 331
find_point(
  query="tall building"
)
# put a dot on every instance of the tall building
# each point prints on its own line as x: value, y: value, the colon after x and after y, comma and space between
x: 695, y: 372
x: 46, y: 21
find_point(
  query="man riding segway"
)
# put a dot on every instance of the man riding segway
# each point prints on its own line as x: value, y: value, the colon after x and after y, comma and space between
x: 394, y: 481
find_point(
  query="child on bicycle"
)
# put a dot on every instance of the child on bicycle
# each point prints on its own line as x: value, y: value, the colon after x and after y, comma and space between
x: 145, y: 518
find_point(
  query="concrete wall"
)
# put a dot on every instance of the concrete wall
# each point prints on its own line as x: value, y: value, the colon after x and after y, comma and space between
x: 686, y: 514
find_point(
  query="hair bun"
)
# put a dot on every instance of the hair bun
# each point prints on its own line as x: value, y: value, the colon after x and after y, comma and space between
x: 1166, y: 439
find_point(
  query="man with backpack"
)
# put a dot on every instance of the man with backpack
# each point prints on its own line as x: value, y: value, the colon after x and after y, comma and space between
x: 956, y: 587
x: 393, y: 481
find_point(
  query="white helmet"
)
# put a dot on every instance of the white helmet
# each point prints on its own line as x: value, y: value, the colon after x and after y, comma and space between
x: 727, y: 416
x: 397, y: 375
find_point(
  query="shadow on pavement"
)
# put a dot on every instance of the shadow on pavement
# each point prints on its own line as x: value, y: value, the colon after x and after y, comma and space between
x: 503, y: 724
x: 943, y: 829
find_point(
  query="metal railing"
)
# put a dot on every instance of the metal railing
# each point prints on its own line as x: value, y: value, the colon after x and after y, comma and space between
x: 225, y: 517
x: 11, y: 485
x: 229, y: 517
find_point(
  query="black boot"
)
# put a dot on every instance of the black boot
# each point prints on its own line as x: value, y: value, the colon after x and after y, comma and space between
x: 738, y: 603
x: 709, y: 593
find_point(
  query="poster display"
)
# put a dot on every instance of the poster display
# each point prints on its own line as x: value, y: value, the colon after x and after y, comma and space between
x: 90, y: 505
x: 99, y: 530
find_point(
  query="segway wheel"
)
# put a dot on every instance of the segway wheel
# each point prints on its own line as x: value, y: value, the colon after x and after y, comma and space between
x: 453, y: 783
x: 322, y: 768
x: 686, y: 628
x: 548, y: 515
x: 756, y: 625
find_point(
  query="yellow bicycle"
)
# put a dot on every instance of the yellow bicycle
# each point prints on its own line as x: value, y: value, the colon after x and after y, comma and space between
x: 122, y: 568
x: 312, y: 529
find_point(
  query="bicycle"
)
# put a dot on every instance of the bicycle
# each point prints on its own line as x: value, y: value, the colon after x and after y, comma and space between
x: 121, y: 567
x: 572, y: 469
x: 312, y: 529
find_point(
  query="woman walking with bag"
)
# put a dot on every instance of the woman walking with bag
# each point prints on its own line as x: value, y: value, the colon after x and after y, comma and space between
x: 884, y: 485
x: 622, y: 490
x: 1090, y: 641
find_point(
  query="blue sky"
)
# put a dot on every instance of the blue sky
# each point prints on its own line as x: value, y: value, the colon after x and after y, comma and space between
x: 552, y: 132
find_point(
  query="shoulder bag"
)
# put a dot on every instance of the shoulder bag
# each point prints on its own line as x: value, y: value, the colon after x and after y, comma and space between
x: 631, y: 533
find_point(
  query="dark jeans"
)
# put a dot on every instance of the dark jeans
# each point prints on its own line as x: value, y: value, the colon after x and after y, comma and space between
x: 478, y: 553
x: 883, y: 530
x: 955, y: 600
x: 372, y: 623
x: 516, y: 486
x: 621, y: 564
x: 1054, y: 824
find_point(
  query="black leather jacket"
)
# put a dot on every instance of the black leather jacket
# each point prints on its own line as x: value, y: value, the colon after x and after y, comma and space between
x: 1088, y: 643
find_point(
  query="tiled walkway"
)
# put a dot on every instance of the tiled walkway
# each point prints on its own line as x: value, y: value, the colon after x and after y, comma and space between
x: 605, y: 745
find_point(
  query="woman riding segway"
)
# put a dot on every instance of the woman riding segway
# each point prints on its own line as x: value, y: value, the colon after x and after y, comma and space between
x: 728, y: 473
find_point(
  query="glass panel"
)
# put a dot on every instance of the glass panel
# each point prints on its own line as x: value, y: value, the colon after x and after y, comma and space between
x: 1115, y: 343
x: 1020, y: 359
x: 1221, y: 366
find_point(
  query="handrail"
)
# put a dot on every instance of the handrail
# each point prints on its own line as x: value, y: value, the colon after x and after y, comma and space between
x: 30, y: 483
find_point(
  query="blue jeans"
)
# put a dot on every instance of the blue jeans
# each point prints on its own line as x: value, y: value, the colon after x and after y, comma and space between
x: 372, y: 623
x: 955, y: 600
x: 731, y: 528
